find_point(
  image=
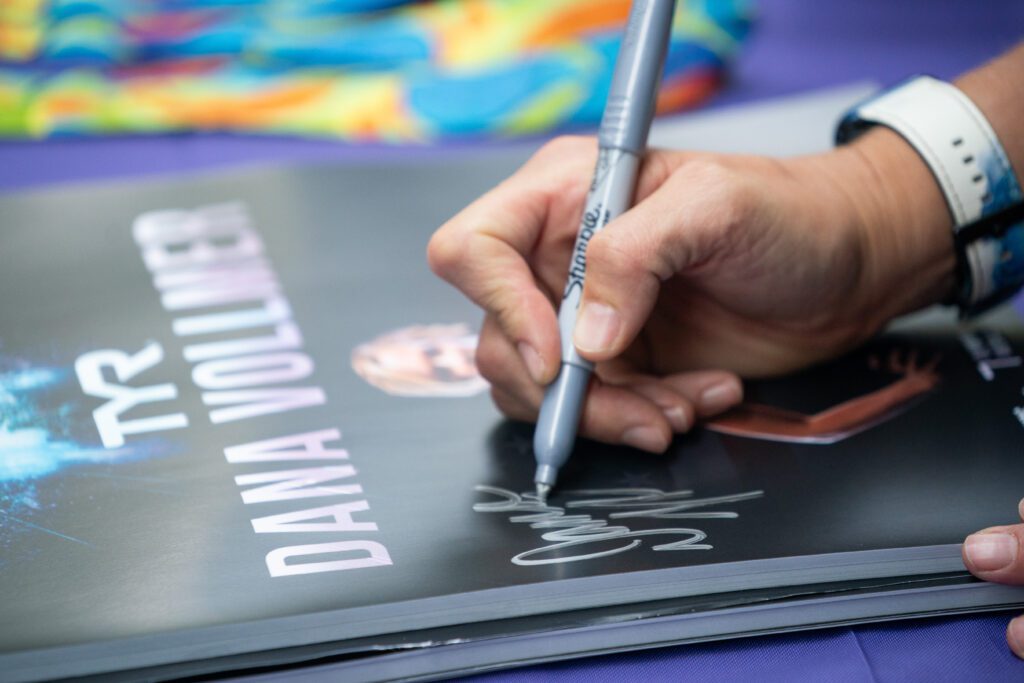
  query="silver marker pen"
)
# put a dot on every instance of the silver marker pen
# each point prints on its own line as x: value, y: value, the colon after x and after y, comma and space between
x: 622, y: 140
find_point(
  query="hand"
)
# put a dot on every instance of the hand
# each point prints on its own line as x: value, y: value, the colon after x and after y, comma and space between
x: 997, y: 554
x: 726, y: 266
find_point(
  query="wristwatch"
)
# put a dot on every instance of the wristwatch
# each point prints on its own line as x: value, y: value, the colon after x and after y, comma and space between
x: 981, y: 189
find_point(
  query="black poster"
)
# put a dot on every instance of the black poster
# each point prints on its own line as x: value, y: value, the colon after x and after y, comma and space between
x: 243, y: 402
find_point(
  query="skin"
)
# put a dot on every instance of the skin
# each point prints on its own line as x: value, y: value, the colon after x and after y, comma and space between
x: 727, y: 266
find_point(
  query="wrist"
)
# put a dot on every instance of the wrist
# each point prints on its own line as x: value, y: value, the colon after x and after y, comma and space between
x: 957, y: 143
x: 904, y: 227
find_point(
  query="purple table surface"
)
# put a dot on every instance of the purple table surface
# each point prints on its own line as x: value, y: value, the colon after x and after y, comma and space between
x: 799, y: 45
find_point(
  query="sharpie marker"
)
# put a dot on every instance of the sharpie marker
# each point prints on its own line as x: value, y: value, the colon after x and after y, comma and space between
x: 621, y: 143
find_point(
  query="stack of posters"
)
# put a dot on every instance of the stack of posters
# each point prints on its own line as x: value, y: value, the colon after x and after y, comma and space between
x: 241, y: 429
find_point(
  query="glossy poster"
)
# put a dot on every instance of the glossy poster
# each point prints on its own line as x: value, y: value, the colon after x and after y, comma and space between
x: 244, y: 397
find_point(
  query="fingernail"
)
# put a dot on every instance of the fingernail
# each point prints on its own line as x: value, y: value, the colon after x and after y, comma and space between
x: 719, y: 397
x: 676, y: 417
x: 596, y: 327
x: 644, y: 438
x: 989, y: 552
x: 1015, y: 636
x: 534, y: 363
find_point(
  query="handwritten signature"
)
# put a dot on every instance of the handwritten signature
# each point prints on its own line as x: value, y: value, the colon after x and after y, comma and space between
x: 564, y: 531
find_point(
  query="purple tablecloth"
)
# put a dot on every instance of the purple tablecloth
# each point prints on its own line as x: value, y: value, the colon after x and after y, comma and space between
x: 928, y: 650
x: 799, y: 45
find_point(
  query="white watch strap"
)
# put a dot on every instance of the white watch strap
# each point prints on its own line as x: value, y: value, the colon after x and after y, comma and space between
x: 954, y: 138
x: 956, y: 141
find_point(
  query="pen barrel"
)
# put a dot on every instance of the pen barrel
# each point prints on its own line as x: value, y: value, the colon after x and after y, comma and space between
x: 558, y: 420
x: 622, y: 140
x: 634, y: 90
x: 611, y: 193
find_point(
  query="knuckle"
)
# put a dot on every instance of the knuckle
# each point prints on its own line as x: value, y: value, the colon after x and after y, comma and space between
x: 564, y: 146
x: 490, y: 360
x: 631, y: 255
x: 618, y: 252
x: 511, y: 407
x: 737, y: 205
x: 724, y: 198
x: 504, y: 403
x: 444, y: 251
x: 558, y: 170
x: 718, y: 184
x: 708, y: 172
x: 499, y: 302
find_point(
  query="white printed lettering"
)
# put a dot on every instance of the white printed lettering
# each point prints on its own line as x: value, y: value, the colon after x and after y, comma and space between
x: 89, y: 368
x: 292, y: 522
x: 376, y: 555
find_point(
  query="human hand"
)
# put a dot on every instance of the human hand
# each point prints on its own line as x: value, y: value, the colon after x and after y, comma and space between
x: 726, y: 266
x: 997, y: 554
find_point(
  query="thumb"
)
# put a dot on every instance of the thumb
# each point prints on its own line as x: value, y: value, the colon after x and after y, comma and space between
x: 678, y: 225
x: 997, y: 553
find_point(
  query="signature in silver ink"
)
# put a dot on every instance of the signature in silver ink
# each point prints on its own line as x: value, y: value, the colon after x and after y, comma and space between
x: 564, y: 531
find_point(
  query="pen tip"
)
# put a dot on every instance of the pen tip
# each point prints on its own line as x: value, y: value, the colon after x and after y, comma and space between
x: 542, y: 492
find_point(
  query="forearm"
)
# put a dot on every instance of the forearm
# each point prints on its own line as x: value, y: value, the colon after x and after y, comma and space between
x: 997, y: 88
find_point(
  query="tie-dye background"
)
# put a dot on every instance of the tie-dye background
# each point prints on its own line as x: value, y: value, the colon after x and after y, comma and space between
x: 367, y: 70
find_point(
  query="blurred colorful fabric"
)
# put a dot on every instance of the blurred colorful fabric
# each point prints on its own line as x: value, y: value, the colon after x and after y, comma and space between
x: 367, y: 70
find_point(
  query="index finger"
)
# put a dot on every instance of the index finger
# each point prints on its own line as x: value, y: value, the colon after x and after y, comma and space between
x: 484, y: 251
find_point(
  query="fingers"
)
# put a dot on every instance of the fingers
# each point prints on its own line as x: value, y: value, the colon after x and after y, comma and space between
x: 621, y: 415
x: 616, y: 415
x: 639, y: 411
x: 687, y: 397
x: 710, y: 391
x: 497, y: 249
x: 489, y: 268
x: 499, y: 362
x: 997, y: 553
x: 612, y: 414
x: 686, y: 221
x: 484, y: 250
x: 1015, y: 636
x: 678, y: 411
x: 994, y: 554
